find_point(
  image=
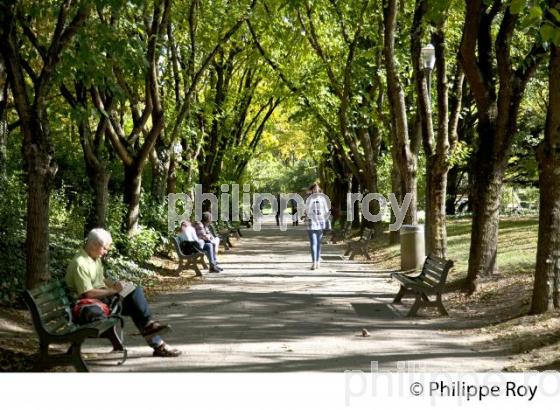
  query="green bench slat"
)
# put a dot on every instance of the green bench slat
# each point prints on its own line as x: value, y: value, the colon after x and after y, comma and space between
x: 62, y: 311
x: 53, y: 305
x: 45, y: 288
x: 56, y: 326
x: 49, y: 296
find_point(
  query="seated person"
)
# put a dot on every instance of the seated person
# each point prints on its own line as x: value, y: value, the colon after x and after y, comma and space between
x: 203, y: 231
x: 85, y: 278
x: 188, y: 234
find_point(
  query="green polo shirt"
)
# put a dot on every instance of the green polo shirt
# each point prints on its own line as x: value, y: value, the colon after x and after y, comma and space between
x: 84, y: 273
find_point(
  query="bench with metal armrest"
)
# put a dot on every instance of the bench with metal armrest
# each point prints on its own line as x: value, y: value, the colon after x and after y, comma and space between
x: 50, y: 309
x: 430, y: 281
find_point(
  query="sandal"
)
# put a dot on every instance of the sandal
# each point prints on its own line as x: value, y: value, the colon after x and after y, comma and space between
x: 164, y: 350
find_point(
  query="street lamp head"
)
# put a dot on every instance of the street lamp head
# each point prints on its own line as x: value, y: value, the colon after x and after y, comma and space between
x: 428, y: 57
x: 177, y: 148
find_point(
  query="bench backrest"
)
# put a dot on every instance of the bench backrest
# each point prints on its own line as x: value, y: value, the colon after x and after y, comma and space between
x: 367, y: 234
x: 177, y: 245
x: 346, y: 227
x: 435, y: 270
x: 50, y: 308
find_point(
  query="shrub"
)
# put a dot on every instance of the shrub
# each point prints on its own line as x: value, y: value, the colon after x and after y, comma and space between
x: 142, y: 245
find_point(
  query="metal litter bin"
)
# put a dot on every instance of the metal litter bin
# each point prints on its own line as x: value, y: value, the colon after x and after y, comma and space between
x: 413, y: 250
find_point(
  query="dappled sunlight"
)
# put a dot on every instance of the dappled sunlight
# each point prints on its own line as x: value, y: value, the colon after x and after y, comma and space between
x: 268, y: 312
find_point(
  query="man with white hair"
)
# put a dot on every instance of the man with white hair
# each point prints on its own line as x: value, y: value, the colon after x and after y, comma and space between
x: 85, y: 277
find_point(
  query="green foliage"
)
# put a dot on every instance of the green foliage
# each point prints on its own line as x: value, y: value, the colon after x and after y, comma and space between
x: 154, y: 213
x: 118, y: 267
x: 13, y: 205
x: 141, y: 246
x: 12, y: 238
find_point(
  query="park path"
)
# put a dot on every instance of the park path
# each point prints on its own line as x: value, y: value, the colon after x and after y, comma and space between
x: 267, y: 312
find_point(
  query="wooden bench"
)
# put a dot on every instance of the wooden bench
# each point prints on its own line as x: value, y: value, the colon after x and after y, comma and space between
x: 361, y: 246
x: 429, y: 282
x: 189, y: 260
x: 341, y: 234
x: 224, y: 236
x: 52, y: 319
x: 235, y: 231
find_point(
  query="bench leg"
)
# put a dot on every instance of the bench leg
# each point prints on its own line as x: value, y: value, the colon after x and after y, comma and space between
x: 366, y: 253
x: 180, y: 267
x: 402, y: 292
x: 115, y: 339
x: 78, y: 362
x: 347, y: 251
x: 42, y: 358
x: 440, y: 307
x: 203, y: 262
x: 192, y: 264
x: 417, y: 304
x: 352, y: 255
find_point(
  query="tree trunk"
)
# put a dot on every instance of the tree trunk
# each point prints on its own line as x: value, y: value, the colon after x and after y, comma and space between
x: 40, y: 173
x: 497, y: 90
x: 436, y: 232
x: 3, y: 147
x: 452, y: 181
x: 34, y: 123
x: 3, y: 126
x: 172, y: 176
x: 546, y: 286
x: 403, y: 145
x: 486, y: 190
x: 160, y: 161
x: 394, y: 237
x: 132, y: 189
x: 99, y: 182
x: 356, y: 189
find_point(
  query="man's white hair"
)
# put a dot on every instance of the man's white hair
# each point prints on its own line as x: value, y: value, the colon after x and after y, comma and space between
x: 100, y: 236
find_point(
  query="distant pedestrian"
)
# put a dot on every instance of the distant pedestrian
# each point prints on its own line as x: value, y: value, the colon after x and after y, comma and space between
x: 293, y: 211
x: 317, y: 215
x: 278, y: 211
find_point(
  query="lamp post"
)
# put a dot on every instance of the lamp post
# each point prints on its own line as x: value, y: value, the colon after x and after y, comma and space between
x: 428, y: 59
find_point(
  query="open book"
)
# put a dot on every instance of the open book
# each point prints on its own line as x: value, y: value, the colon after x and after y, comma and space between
x: 128, y: 287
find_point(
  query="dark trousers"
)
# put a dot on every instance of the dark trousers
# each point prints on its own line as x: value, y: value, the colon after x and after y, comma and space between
x: 136, y: 306
x: 210, y: 252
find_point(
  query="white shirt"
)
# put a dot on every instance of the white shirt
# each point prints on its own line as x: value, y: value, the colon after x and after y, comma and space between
x: 317, y: 213
x: 189, y: 234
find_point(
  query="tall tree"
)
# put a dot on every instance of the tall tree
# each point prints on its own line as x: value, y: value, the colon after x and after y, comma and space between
x: 438, y: 147
x: 546, y: 288
x: 405, y: 144
x: 145, y: 105
x: 93, y: 144
x: 189, y: 65
x: 497, y: 85
x: 31, y: 62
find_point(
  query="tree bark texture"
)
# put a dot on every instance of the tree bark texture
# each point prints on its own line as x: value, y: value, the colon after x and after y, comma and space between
x: 30, y: 99
x: 497, y: 99
x: 405, y: 156
x: 546, y: 286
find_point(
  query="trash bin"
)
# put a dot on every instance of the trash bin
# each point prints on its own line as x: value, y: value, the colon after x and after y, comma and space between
x: 413, y: 251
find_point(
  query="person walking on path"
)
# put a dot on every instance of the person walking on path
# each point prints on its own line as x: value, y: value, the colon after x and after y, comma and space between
x: 317, y: 213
